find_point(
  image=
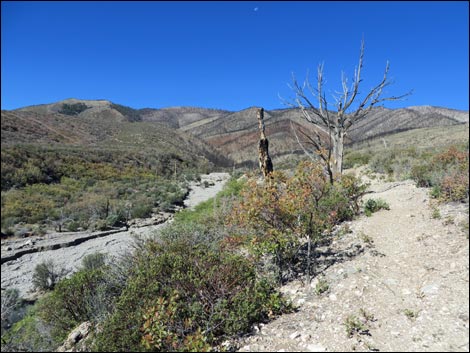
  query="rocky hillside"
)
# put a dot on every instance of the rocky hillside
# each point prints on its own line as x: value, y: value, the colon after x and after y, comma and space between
x: 233, y: 135
x: 101, y: 124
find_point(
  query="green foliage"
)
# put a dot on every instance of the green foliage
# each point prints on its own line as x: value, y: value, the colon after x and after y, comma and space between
x: 182, y: 296
x: 73, y: 109
x: 94, y: 261
x: 411, y: 314
x: 74, y: 300
x: 211, y: 207
x: 355, y: 325
x: 274, y: 216
x: 356, y: 158
x: 374, y: 205
x: 46, y: 275
x: 322, y: 286
x: 444, y: 170
x: 77, y: 189
x: 131, y: 115
x: 30, y: 334
x: 436, y: 214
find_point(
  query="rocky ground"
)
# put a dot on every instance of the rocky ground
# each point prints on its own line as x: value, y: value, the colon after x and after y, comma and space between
x: 68, y: 249
x: 397, y: 282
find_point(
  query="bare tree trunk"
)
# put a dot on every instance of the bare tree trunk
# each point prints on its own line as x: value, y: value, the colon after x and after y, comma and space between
x: 265, y: 163
x: 336, y: 163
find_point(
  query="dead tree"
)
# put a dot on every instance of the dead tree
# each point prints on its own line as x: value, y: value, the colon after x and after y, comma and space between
x: 265, y: 163
x: 334, y: 125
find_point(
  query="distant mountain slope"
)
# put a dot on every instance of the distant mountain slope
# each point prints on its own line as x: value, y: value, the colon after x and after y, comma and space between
x: 179, y: 117
x: 102, y: 124
x: 236, y: 134
x: 215, y: 132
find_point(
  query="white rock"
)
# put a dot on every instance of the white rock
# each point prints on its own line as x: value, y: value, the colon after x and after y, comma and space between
x: 316, y: 348
x: 294, y: 335
x: 333, y: 297
x: 430, y: 289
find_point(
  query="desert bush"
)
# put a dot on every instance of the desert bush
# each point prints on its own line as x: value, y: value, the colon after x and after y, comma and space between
x: 374, y: 205
x: 182, y: 297
x: 73, y: 301
x: 72, y: 187
x: 94, y: 261
x: 46, y: 275
x: 445, y: 170
x: 274, y: 217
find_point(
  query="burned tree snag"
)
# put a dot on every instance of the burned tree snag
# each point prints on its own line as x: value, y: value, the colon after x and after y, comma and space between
x: 265, y: 163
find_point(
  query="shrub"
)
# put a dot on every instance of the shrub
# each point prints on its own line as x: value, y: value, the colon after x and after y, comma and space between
x: 93, y: 261
x: 374, y: 205
x: 322, y: 286
x: 46, y: 275
x: 276, y: 215
x: 354, y: 325
x: 30, y: 334
x: 74, y: 300
x: 184, y: 297
x: 10, y: 302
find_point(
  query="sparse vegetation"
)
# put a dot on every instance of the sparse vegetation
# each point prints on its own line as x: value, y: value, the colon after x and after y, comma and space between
x: 411, y: 314
x: 355, y: 326
x: 322, y: 286
x: 131, y: 115
x: 366, y: 238
x: 436, y: 214
x: 374, y: 205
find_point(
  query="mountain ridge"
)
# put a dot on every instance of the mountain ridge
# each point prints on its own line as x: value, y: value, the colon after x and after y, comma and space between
x: 232, y: 134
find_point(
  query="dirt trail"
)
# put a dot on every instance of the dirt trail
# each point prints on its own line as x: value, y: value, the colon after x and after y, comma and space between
x: 406, y: 280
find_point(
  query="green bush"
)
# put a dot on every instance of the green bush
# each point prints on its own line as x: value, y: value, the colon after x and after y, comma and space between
x: 46, y: 275
x: 94, y: 261
x: 374, y: 205
x: 74, y: 300
x: 30, y: 334
x: 201, y: 295
x: 445, y: 171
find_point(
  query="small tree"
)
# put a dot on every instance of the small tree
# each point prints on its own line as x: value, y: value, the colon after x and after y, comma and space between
x: 331, y: 127
x: 46, y: 275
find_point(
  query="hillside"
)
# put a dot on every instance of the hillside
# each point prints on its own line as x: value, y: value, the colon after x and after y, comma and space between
x: 103, y: 125
x: 231, y: 134
x: 236, y: 134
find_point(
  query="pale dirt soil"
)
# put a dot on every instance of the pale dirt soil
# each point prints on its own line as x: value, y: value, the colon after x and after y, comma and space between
x: 395, y: 262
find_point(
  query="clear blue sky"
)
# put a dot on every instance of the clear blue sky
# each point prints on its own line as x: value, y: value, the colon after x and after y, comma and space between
x: 229, y: 55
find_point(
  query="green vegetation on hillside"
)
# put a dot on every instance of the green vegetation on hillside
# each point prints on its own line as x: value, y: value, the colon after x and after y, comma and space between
x: 434, y: 158
x: 73, y: 109
x: 77, y: 187
x: 131, y: 114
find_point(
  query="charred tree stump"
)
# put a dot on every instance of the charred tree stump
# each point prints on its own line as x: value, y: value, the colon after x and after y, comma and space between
x: 265, y: 163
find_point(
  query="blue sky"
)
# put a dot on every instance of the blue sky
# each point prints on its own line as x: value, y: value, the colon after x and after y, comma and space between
x: 229, y: 55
